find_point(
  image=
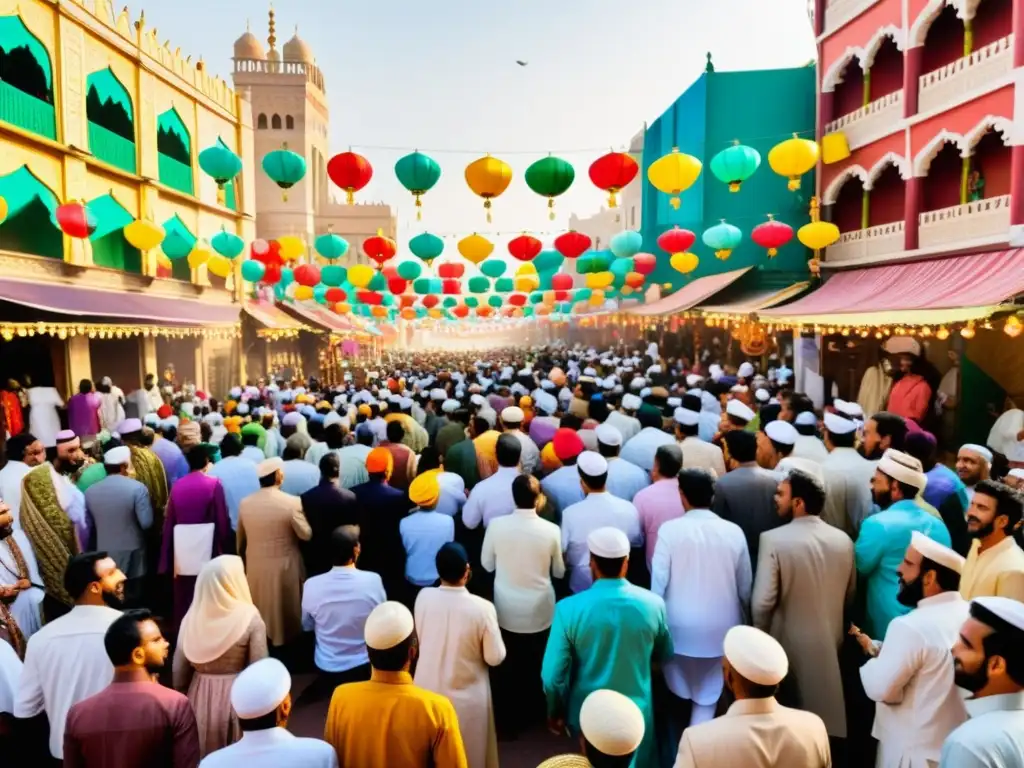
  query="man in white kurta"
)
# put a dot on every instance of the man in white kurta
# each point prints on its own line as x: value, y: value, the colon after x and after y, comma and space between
x: 847, y: 475
x: 529, y: 460
x: 911, y: 676
x: 697, y: 454
x: 701, y: 567
x: 459, y: 639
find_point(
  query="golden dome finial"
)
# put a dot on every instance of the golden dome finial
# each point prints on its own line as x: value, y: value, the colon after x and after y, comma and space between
x: 272, y: 38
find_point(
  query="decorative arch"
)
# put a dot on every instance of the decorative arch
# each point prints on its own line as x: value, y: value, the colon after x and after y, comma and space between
x: 868, y: 52
x: 289, y: 122
x: 831, y: 193
x: 889, y: 158
x: 15, y: 35
x: 923, y: 159
x: 31, y: 210
x: 261, y: 122
x: 111, y: 215
x: 21, y: 187
x: 176, y: 228
x: 275, y: 122
x: 110, y: 249
x: 998, y: 124
x: 173, y: 138
x: 834, y: 74
x: 965, y: 9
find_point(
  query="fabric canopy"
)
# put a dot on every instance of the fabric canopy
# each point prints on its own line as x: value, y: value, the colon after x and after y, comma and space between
x: 755, y: 301
x: 953, y: 289
x: 78, y: 301
x: 690, y: 295
x: 270, y: 316
x: 320, y: 318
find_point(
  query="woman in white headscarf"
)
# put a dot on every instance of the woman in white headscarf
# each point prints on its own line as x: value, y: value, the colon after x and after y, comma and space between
x: 221, y: 635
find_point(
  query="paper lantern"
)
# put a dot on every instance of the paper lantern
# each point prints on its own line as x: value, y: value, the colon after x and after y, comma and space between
x: 285, y: 168
x: 406, y: 300
x: 272, y: 274
x: 142, y: 234
x: 644, y: 263
x: 471, y: 301
x: 475, y: 248
x: 526, y: 283
x: 76, y: 220
x: 479, y: 285
x: 673, y: 174
x: 379, y: 311
x: 449, y: 302
x: 379, y: 248
x: 351, y: 172
x: 735, y: 164
x: 561, y: 282
x: 634, y: 280
x: 793, y: 158
x: 572, y: 244
x: 597, y: 261
x: 484, y: 311
x: 430, y: 300
x: 524, y: 247
x: 333, y: 275
x: 288, y: 277
x: 547, y: 261
x: 418, y: 173
x: 397, y: 285
x: 526, y: 269
x: 676, y: 240
x: 596, y: 299
x: 493, y: 268
x: 360, y: 275
x: 488, y: 177
x: 495, y: 301
x: 218, y: 265
x: 330, y: 246
x: 461, y: 311
x: 334, y: 295
x: 4, y: 210
x: 426, y: 246
x: 372, y: 298
x: 200, y: 254
x: 772, y: 235
x: 377, y: 283
x: 407, y: 313
x: 723, y: 237
x: 684, y: 262
x: 227, y: 244
x: 599, y: 280
x: 291, y: 247
x: 220, y: 163
x: 259, y: 249
x: 451, y: 270
x: 451, y: 287
x: 550, y: 177
x: 619, y: 269
x: 253, y: 271
x: 436, y: 314
x: 409, y: 270
x: 625, y: 244
x: 611, y: 173
x: 307, y: 274
x: 342, y: 308
x: 177, y: 245
x: 517, y: 300
x: 303, y: 292
x: 504, y: 285
x: 818, y: 234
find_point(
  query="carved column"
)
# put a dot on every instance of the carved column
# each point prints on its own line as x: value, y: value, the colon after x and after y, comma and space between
x: 911, y: 211
x: 826, y: 107
x: 912, y: 62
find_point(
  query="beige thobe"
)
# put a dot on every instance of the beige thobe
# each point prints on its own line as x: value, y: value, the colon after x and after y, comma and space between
x: 998, y: 571
x: 459, y: 639
x: 270, y: 526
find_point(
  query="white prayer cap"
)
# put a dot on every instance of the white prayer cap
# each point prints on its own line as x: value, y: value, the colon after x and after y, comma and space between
x: 654, y: 369
x: 588, y: 371
x: 800, y: 464
x: 745, y: 370
x: 242, y: 409
x: 638, y: 382
x: 838, y: 425
x: 512, y: 415
x: 269, y: 466
x: 981, y: 450
x: 631, y: 402
x: 686, y: 417
x: 612, y: 723
x: 547, y: 384
x: 152, y: 420
x: 756, y: 655
x: 608, y: 541
x: 715, y: 371
x: 565, y: 394
x: 739, y: 410
x: 477, y: 399
x: 674, y: 402
x: 292, y: 419
x: 848, y: 409
x: 609, y: 383
x: 608, y: 435
x: 693, y: 380
x: 405, y: 403
x: 937, y: 553
x: 762, y: 395
x: 902, y: 345
x: 235, y: 393
x: 781, y: 432
x: 260, y: 688
x: 739, y: 389
x: 115, y: 457
x: 519, y: 389
x: 592, y: 464
x: 450, y: 406
x: 438, y: 394
x: 128, y: 426
x: 903, y: 467
x: 1006, y: 608
x: 806, y: 419
x: 1017, y: 473
x: 387, y: 625
x: 546, y: 402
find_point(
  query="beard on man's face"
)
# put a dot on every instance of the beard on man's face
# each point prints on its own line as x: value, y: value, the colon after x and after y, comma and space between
x: 982, y: 532
x: 882, y: 498
x: 970, y: 681
x: 114, y: 598
x: 874, y: 455
x: 784, y: 516
x: 911, y: 592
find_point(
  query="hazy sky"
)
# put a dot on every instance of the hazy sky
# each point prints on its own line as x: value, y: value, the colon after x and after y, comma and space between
x: 440, y: 76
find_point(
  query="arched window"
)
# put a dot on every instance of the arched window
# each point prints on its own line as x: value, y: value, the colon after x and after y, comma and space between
x: 111, y: 114
x: 275, y: 122
x: 174, y: 152
x: 289, y: 122
x: 261, y: 122
x: 26, y: 79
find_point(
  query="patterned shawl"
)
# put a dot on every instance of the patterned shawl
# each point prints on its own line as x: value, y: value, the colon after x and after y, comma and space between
x: 149, y: 471
x: 50, y: 530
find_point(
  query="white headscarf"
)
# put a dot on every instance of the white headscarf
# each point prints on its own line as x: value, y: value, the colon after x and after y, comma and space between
x: 221, y: 611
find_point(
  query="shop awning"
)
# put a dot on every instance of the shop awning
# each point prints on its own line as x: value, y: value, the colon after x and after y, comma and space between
x: 121, y: 305
x: 690, y: 295
x: 954, y: 289
x: 755, y: 301
x: 320, y: 318
x: 273, y: 317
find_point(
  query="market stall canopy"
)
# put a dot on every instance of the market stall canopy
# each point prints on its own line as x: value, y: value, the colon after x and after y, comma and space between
x: 755, y: 301
x: 125, y: 305
x: 321, y: 318
x: 690, y: 295
x: 273, y: 317
x: 949, y: 290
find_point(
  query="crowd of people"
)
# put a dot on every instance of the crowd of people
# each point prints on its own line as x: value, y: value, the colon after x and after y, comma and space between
x: 675, y: 567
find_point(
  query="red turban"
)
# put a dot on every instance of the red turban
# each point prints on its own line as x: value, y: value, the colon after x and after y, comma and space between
x: 567, y: 444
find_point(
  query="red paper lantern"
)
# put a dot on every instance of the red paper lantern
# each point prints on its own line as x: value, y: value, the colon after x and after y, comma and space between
x: 351, y: 172
x: 573, y: 244
x: 484, y: 311
x: 525, y: 247
x: 451, y: 270
x: 397, y: 285
x: 307, y: 274
x: 612, y: 172
x: 451, y: 287
x: 517, y: 299
x: 461, y: 311
x: 76, y: 220
x: 260, y: 249
x: 370, y: 297
x: 379, y: 248
x: 561, y: 295
x: 406, y: 301
x: 644, y: 263
x: 430, y: 301
x: 272, y: 275
x: 634, y: 279
x: 561, y: 282
x: 676, y: 240
x: 772, y: 235
x: 334, y: 295
x: 390, y: 273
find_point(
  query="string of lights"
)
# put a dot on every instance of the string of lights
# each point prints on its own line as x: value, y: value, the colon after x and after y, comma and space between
x: 9, y: 331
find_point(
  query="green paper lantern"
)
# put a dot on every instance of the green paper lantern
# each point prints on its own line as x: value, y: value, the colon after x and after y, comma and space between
x: 378, y: 283
x: 450, y: 302
x: 426, y: 246
x: 320, y: 293
x: 527, y: 311
x: 253, y: 271
x: 221, y: 164
x: 548, y: 261
x: 504, y: 285
x: 582, y: 294
x: 626, y: 244
x: 550, y: 177
x: 176, y: 246
x: 285, y: 168
x: 409, y: 270
x: 471, y: 301
x: 493, y: 267
x: 495, y: 301
x: 620, y: 268
x: 418, y: 173
x: 333, y: 275
x: 536, y: 297
x: 723, y: 238
x: 479, y: 285
x: 597, y: 261
x: 735, y: 164
x: 331, y: 246
x: 227, y: 244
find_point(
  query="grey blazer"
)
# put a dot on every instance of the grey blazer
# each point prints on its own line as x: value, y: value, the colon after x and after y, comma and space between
x: 120, y: 510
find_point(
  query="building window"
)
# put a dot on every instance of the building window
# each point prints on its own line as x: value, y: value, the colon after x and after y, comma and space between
x: 109, y: 247
x: 275, y: 122
x: 26, y: 80
x: 111, y: 126
x: 31, y: 206
x: 289, y: 122
x: 174, y: 152
x: 261, y: 122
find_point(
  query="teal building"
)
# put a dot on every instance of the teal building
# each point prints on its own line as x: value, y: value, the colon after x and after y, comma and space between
x: 760, y: 109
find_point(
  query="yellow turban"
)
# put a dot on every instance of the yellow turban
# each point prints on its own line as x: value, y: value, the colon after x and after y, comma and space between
x: 548, y: 459
x: 425, y: 490
x: 380, y: 461
x: 229, y: 407
x: 364, y: 410
x: 233, y: 424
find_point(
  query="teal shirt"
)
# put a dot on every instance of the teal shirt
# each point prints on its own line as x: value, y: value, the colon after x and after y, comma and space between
x: 90, y: 476
x: 881, y: 545
x: 606, y: 637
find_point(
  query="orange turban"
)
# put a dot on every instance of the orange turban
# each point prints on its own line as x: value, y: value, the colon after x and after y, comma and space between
x: 557, y: 376
x: 380, y: 461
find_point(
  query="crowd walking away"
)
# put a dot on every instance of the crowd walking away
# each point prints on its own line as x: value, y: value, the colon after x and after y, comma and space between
x: 534, y: 556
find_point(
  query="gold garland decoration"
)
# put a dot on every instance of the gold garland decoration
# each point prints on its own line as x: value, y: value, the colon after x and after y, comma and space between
x: 281, y: 334
x: 9, y: 331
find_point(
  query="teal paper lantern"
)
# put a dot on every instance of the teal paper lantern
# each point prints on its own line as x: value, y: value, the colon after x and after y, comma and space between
x: 450, y: 302
x: 620, y: 268
x: 723, y: 238
x: 582, y: 294
x: 378, y: 283
x: 285, y: 168
x: 333, y: 275
x: 536, y: 297
x: 221, y: 164
x: 418, y: 173
x: 735, y: 164
x: 471, y: 301
x: 493, y: 268
x: 409, y: 270
x: 626, y: 244
x: 504, y: 285
x: 527, y: 311
x: 495, y: 301
x: 253, y: 271
x: 320, y: 293
x: 331, y: 246
x: 479, y: 285
x: 227, y: 244
x: 548, y: 261
x: 287, y: 278
x: 177, y: 246
x: 426, y: 246
x: 596, y: 261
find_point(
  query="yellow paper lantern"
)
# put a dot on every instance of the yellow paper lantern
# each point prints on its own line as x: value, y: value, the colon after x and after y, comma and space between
x: 475, y: 248
x: 626, y: 291
x: 793, y: 158
x: 342, y: 308
x: 818, y: 234
x: 674, y: 173
x: 684, y: 262
x: 527, y: 283
x: 600, y: 279
x: 200, y: 254
x: 292, y: 247
x: 141, y: 233
x: 408, y: 313
x: 435, y: 313
x: 548, y: 297
x: 488, y: 177
x: 596, y: 299
x: 379, y: 311
x: 526, y: 269
x: 834, y: 148
x: 360, y: 275
x: 3, y: 210
x: 303, y: 292
x: 219, y: 265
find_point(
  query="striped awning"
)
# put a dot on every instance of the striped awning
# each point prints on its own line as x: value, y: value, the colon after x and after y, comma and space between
x: 690, y: 295
x: 273, y: 317
x: 755, y: 301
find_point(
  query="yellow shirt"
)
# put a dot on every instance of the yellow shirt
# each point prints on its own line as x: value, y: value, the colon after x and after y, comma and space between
x: 390, y: 723
x: 996, y: 571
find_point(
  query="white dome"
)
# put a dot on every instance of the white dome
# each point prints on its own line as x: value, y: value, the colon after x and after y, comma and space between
x: 297, y: 49
x: 248, y: 47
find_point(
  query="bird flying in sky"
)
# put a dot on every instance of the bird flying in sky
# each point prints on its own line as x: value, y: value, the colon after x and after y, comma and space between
x: 521, y: 63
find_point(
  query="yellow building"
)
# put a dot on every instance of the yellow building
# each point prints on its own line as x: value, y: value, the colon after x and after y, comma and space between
x: 95, y: 108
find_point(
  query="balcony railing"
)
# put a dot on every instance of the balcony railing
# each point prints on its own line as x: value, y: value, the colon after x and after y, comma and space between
x: 870, y: 122
x: 175, y: 174
x: 838, y: 12
x: 859, y: 244
x: 111, y: 148
x: 28, y: 112
x: 949, y: 84
x: 987, y: 218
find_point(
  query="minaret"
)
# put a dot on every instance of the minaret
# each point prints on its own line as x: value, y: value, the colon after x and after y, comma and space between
x: 273, y: 55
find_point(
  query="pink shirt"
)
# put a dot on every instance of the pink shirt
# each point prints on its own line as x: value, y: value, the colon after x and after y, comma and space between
x: 909, y: 397
x: 657, y: 503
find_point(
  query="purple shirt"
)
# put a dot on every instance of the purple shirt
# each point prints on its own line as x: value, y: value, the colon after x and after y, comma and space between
x: 174, y: 461
x: 84, y: 414
x: 196, y: 499
x: 657, y: 504
x: 542, y: 430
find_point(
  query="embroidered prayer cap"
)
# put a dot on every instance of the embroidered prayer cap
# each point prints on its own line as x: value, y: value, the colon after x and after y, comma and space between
x: 128, y: 426
x: 936, y: 552
x: 839, y: 425
x: 592, y: 464
x: 903, y: 467
x: 608, y: 435
x: 66, y: 436
x: 739, y: 410
x: 756, y: 655
x: 631, y: 402
x: 611, y: 723
x: 1006, y: 608
x: 608, y: 542
x: 260, y: 688
x: 781, y: 432
x: 389, y: 624
x: 269, y: 466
